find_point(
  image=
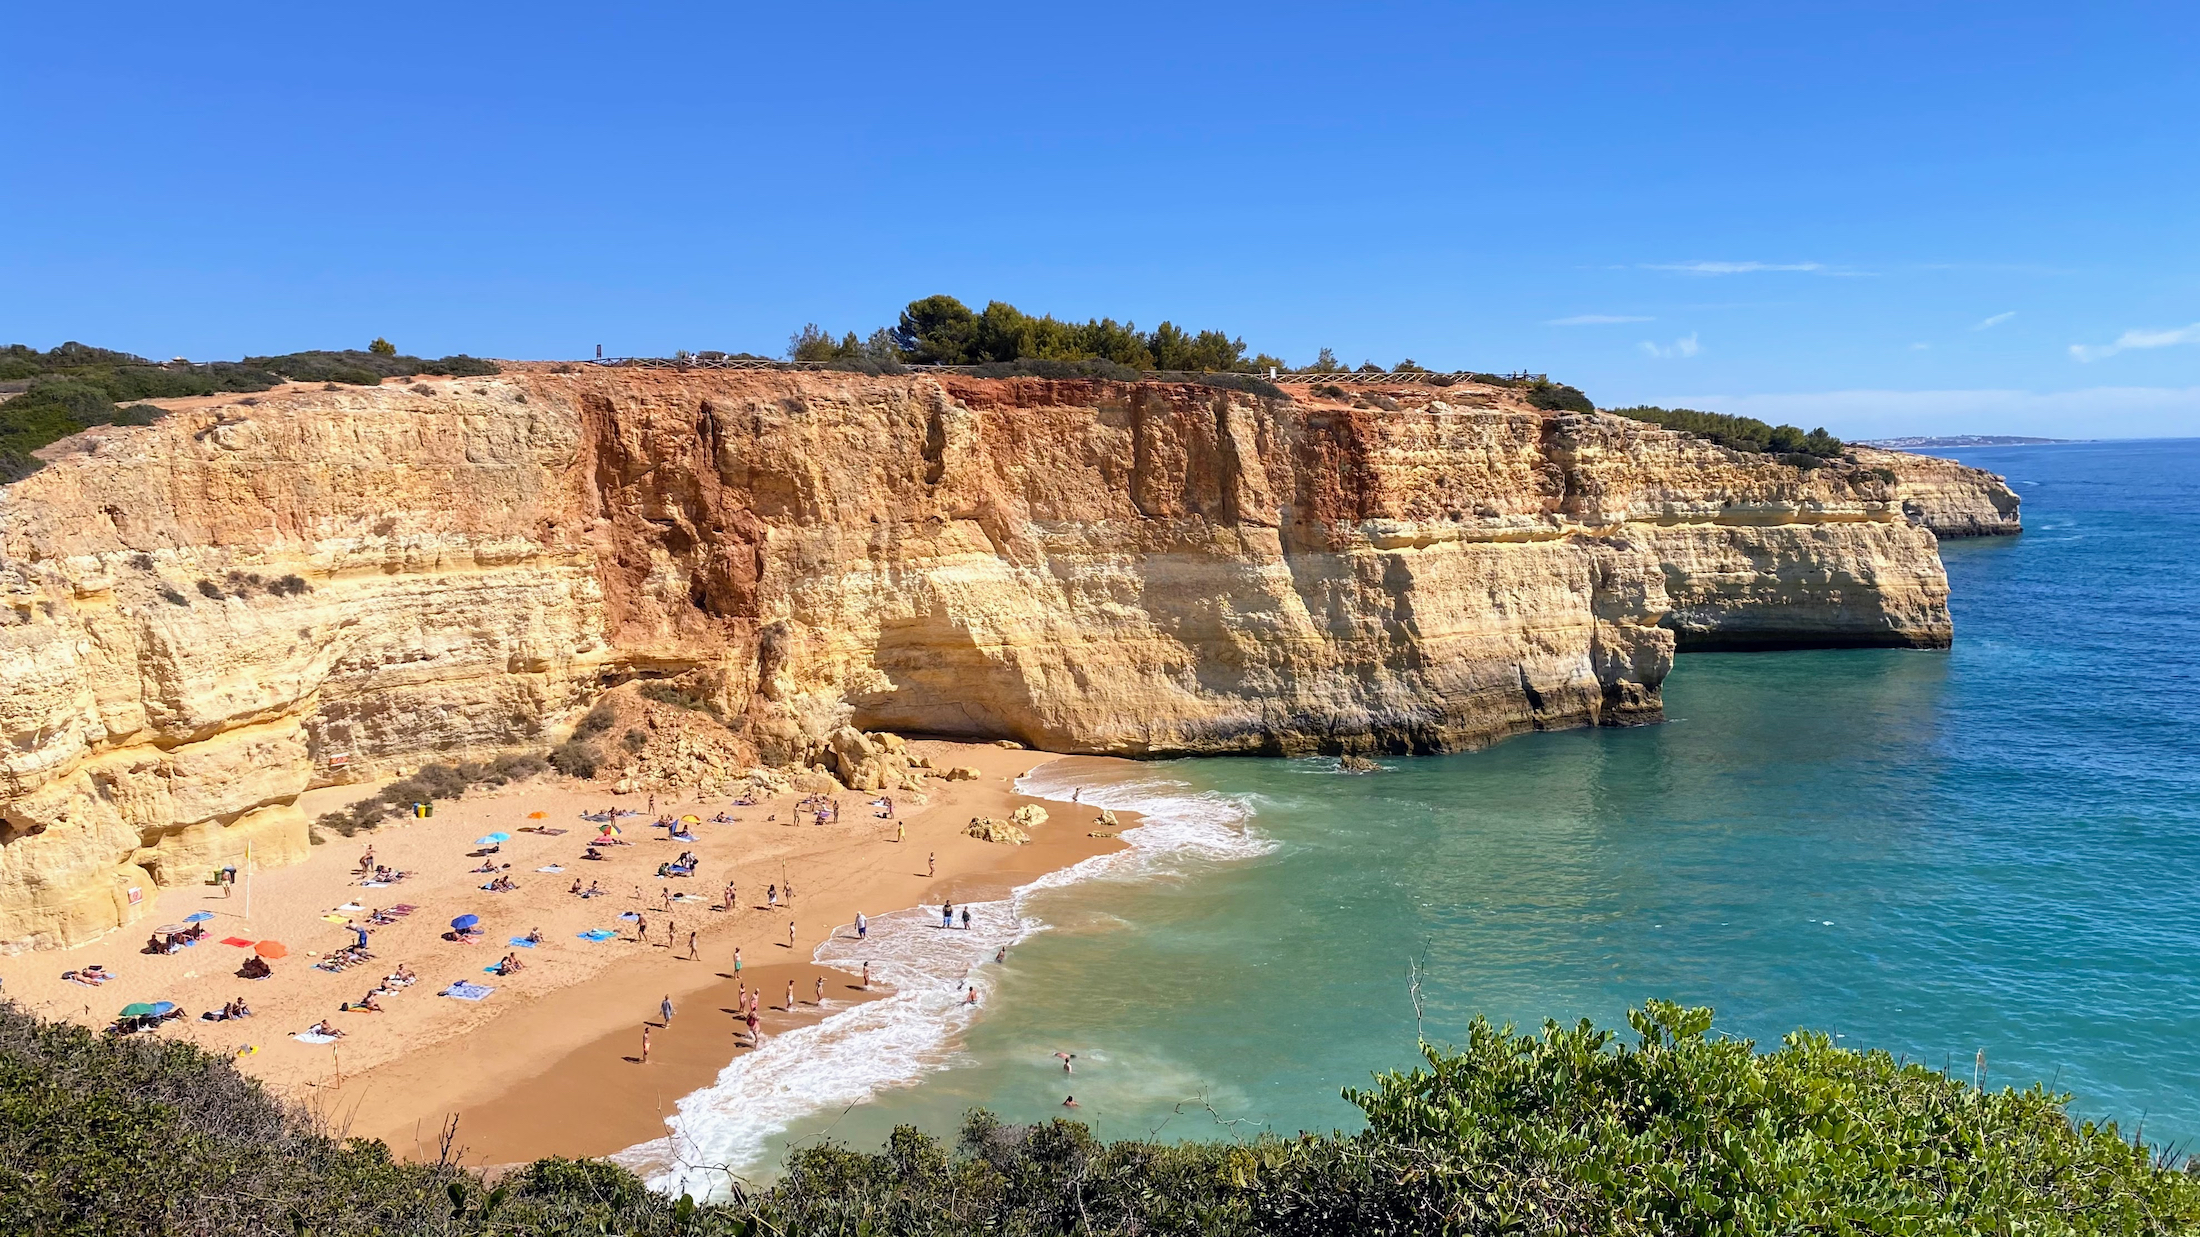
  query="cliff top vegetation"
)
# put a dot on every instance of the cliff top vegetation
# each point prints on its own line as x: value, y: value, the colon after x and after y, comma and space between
x: 941, y: 330
x: 1572, y: 1130
x: 53, y: 394
x: 1740, y: 433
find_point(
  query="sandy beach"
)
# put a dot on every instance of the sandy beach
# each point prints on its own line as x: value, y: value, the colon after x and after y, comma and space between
x: 547, y: 1064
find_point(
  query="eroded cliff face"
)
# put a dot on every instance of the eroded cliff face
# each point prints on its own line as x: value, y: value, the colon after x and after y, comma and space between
x: 1949, y: 498
x: 209, y: 615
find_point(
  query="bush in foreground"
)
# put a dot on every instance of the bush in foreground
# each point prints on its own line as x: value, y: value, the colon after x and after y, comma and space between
x: 1570, y: 1131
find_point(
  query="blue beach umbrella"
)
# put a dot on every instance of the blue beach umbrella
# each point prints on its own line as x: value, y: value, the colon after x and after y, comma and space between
x: 162, y: 1007
x: 198, y: 916
x: 493, y: 839
x: 464, y: 922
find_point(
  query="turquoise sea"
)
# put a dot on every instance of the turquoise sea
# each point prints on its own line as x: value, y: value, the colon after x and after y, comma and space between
x: 1996, y: 847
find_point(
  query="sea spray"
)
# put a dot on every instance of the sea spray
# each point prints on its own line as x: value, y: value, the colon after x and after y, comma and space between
x: 726, y: 1129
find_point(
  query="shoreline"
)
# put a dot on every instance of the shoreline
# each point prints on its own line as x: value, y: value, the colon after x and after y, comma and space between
x: 582, y: 1091
x: 537, y: 1068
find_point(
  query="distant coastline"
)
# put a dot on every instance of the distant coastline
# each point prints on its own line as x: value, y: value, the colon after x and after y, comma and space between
x: 1960, y: 440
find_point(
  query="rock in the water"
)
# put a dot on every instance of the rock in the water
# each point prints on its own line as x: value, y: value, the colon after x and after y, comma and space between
x: 1356, y: 764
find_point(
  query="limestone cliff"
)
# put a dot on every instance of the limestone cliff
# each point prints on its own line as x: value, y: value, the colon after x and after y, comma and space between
x: 1949, y: 498
x: 209, y: 615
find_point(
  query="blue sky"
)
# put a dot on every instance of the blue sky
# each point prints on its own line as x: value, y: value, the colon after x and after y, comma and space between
x: 1880, y: 218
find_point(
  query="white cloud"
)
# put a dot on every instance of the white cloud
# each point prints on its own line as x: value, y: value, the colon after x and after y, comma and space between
x: 2093, y: 412
x: 1731, y: 268
x: 1919, y: 347
x: 1995, y: 321
x: 1596, y: 320
x: 1685, y: 346
x: 2137, y: 339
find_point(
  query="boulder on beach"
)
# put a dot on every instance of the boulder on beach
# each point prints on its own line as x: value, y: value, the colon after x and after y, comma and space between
x: 992, y: 829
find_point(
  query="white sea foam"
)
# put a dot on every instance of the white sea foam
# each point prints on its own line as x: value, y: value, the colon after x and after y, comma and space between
x: 856, y: 1052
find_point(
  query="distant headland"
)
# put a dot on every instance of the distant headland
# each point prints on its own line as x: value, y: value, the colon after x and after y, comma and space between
x: 1960, y: 440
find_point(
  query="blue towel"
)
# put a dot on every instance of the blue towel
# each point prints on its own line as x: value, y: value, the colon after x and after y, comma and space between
x: 468, y: 992
x: 597, y: 934
x: 523, y: 942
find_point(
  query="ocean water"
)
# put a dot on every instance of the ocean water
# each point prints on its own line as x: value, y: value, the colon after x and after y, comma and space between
x: 1994, y: 848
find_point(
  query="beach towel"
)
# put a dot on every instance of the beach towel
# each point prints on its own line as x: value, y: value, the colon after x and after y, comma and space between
x: 597, y: 934
x: 403, y: 908
x: 629, y: 916
x: 337, y: 918
x: 238, y: 941
x: 467, y: 992
x: 550, y: 867
x: 374, y: 884
x: 523, y: 942
x: 313, y: 1037
x: 348, y: 908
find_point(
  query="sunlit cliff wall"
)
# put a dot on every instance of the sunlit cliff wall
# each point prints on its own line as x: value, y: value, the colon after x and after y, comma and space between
x: 209, y: 615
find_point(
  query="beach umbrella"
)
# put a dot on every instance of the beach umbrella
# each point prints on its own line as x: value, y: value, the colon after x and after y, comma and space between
x: 610, y: 830
x: 465, y: 922
x: 271, y: 949
x: 137, y: 1009
x: 170, y: 928
x: 198, y: 916
x: 493, y: 839
x: 163, y: 1007
x: 691, y: 820
x: 537, y: 815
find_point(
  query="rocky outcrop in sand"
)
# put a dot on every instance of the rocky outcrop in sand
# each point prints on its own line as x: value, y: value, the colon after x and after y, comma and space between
x: 206, y: 616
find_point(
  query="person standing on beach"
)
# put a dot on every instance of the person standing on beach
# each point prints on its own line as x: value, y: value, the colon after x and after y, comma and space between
x: 641, y: 930
x: 901, y: 832
x: 866, y: 977
x: 819, y: 1000
x: 730, y: 899
x: 789, y: 1007
x: 932, y: 863
x: 863, y: 926
x: 790, y: 934
x: 966, y: 918
x: 645, y: 1043
x: 692, y: 955
x: 756, y: 1036
x: 664, y: 1009
x: 737, y: 962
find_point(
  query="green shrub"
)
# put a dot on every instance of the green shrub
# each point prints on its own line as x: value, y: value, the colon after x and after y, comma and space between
x: 1568, y: 1132
x: 1741, y: 433
x: 74, y: 387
